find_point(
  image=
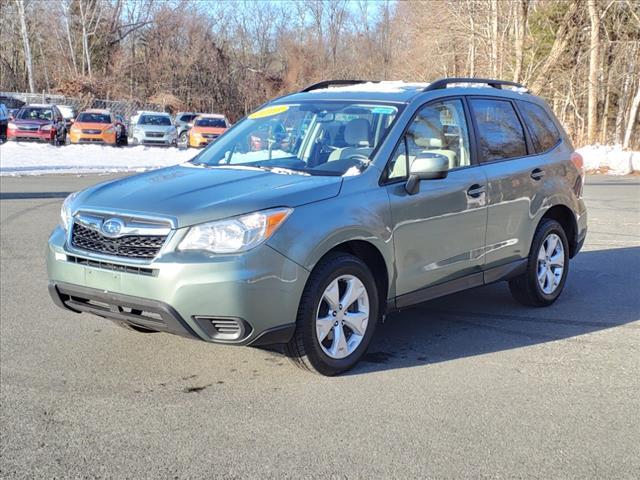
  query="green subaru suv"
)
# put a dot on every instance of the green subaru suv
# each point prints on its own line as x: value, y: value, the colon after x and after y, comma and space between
x: 324, y: 210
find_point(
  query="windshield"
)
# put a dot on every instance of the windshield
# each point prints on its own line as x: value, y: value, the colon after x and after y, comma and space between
x: 35, y: 114
x: 155, y: 120
x: 94, y: 118
x: 328, y: 138
x: 211, y: 122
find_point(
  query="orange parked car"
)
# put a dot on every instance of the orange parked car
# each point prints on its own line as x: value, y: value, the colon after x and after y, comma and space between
x: 96, y: 126
x: 207, y: 128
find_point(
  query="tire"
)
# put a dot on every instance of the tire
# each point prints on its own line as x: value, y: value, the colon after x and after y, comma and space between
x: 306, y: 350
x: 184, y: 138
x: 527, y: 288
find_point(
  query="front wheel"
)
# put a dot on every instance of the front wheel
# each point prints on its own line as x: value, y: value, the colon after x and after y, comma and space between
x: 184, y: 138
x: 337, y: 316
x: 547, y: 267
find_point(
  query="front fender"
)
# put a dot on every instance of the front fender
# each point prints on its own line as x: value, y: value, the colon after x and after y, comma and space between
x: 359, y: 212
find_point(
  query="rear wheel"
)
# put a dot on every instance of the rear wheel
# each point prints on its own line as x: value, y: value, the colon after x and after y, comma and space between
x: 337, y: 316
x: 184, y: 138
x: 547, y: 267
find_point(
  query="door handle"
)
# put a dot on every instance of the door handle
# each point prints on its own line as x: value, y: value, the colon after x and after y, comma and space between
x: 475, y: 190
x: 537, y: 174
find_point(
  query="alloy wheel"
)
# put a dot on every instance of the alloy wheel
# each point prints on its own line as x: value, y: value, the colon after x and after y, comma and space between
x: 551, y: 258
x: 342, y: 316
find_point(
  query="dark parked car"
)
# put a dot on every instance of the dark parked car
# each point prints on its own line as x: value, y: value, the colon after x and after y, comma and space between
x: 4, y: 120
x: 38, y: 122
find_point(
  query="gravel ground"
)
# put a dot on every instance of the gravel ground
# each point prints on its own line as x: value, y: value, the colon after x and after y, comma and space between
x: 468, y: 386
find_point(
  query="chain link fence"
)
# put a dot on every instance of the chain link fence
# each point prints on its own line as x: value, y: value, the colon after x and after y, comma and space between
x: 117, y: 107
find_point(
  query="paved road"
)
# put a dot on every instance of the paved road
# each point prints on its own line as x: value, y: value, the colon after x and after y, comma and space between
x: 468, y: 386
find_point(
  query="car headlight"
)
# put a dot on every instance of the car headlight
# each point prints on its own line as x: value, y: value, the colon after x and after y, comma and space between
x: 75, y: 129
x: 109, y: 130
x: 66, y: 213
x: 237, y: 234
x: 45, y: 128
x: 12, y: 126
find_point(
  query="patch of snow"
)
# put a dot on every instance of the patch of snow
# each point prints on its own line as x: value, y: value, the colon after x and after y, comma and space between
x: 27, y: 158
x: 610, y: 159
x: 395, y: 86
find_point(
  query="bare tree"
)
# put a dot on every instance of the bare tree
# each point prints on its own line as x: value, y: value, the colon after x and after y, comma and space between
x: 594, y: 71
x: 25, y: 42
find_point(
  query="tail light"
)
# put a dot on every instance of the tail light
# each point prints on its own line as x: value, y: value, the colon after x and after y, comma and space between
x: 578, y: 161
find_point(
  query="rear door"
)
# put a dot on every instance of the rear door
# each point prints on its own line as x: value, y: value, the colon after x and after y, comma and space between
x: 514, y: 177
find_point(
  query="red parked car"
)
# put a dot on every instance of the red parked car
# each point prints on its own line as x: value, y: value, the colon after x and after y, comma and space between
x: 38, y: 122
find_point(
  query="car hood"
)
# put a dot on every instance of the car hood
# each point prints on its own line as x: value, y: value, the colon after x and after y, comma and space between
x: 218, y: 130
x: 19, y: 121
x: 155, y: 128
x: 191, y: 194
x: 92, y: 126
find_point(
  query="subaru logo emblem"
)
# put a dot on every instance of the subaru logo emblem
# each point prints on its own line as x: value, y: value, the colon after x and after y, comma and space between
x: 112, y: 227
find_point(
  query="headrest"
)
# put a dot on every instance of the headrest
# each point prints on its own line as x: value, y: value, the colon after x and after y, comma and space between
x: 356, y: 132
x: 427, y: 142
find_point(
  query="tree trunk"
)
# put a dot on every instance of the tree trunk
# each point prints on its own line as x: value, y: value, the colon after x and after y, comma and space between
x: 25, y: 43
x: 594, y: 67
x: 633, y: 113
x: 520, y: 31
x: 494, y: 38
x: 560, y: 43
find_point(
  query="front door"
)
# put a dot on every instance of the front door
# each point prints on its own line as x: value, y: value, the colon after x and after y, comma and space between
x: 439, y: 232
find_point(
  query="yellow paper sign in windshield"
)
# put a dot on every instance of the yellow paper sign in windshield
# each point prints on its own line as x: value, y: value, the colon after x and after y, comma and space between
x: 269, y: 111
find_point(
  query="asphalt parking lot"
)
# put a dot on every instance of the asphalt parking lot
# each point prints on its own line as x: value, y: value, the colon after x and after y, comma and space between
x: 468, y: 386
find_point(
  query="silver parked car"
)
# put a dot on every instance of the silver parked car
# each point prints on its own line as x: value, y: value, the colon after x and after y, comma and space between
x: 153, y: 128
x: 313, y: 217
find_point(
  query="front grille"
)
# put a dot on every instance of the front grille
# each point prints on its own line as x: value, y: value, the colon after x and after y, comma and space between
x: 210, y: 136
x: 92, y: 132
x: 129, y: 246
x: 113, y: 266
x: 28, y: 128
x: 154, y: 134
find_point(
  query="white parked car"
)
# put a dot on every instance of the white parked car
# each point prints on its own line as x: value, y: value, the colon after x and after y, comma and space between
x: 153, y: 128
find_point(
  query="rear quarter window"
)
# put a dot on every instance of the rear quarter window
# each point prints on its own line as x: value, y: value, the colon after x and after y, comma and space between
x: 544, y: 132
x: 499, y: 130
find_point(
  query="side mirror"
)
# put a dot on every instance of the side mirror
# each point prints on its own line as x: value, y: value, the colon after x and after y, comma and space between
x: 190, y: 125
x: 426, y: 166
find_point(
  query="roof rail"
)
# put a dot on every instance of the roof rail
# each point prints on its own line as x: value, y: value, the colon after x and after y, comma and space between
x: 330, y: 83
x: 444, y: 82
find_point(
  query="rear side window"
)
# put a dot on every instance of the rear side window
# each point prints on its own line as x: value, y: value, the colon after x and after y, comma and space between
x: 499, y: 130
x: 544, y: 133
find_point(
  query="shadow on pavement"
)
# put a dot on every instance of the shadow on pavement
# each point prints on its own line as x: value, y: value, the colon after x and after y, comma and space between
x: 601, y: 292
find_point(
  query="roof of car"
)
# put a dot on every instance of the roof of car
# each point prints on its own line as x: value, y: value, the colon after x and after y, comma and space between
x: 400, y: 91
x: 38, y: 105
x: 210, y: 115
x: 98, y: 110
x: 150, y: 112
x: 387, y: 91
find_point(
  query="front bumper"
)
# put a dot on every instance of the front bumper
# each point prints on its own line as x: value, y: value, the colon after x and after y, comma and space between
x: 142, y: 139
x: 30, y: 135
x: 109, y: 139
x: 247, y: 299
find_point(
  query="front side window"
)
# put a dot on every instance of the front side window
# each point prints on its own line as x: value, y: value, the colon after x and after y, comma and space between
x: 544, y: 133
x: 188, y: 117
x: 439, y: 128
x: 500, y: 133
x: 317, y: 138
x: 161, y: 120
